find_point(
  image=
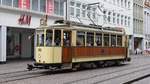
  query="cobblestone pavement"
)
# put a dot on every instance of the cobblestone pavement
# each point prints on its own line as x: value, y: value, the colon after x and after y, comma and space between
x: 139, y: 66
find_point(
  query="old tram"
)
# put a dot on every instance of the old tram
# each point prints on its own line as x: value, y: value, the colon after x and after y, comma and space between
x: 70, y: 45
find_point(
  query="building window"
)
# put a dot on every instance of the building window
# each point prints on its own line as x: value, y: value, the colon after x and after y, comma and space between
x: 78, y: 9
x: 7, y: 2
x: 94, y: 13
x: 59, y: 7
x: 125, y: 22
x: 15, y: 3
x: 118, y: 16
x: 121, y: 19
x: 128, y: 21
x: 72, y: 8
x: 121, y: 3
x: 34, y: 5
x: 83, y: 10
x: 128, y: 4
x: 125, y: 2
x: 89, y: 11
x: 114, y: 19
x: 42, y: 5
x: 109, y: 17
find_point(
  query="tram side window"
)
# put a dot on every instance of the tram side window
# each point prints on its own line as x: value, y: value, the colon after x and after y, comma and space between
x: 49, y: 34
x: 113, y: 40
x: 67, y: 39
x: 80, y: 38
x: 98, y: 39
x: 57, y: 38
x: 119, y: 41
x: 106, y: 40
x: 90, y: 39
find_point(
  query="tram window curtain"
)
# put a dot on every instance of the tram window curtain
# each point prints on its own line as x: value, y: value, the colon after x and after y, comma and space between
x: 7, y: 2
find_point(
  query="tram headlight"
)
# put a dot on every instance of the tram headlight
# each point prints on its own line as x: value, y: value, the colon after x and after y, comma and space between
x: 39, y: 55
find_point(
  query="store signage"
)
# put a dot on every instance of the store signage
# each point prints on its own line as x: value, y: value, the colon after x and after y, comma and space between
x: 50, y: 7
x: 24, y: 19
x: 24, y: 4
x: 147, y: 3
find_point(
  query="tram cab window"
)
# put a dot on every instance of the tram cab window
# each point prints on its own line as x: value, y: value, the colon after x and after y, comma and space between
x: 98, y: 39
x: 67, y: 39
x: 90, y: 39
x: 40, y: 38
x: 113, y: 40
x: 119, y: 41
x: 106, y: 40
x: 49, y: 34
x: 57, y: 38
x: 80, y: 38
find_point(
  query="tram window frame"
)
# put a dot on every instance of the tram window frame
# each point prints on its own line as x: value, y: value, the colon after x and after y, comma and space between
x: 40, y: 40
x: 81, y: 37
x: 90, y: 39
x: 106, y: 40
x: 49, y: 39
x: 119, y: 41
x: 113, y: 40
x: 67, y: 38
x: 57, y: 38
x: 98, y: 39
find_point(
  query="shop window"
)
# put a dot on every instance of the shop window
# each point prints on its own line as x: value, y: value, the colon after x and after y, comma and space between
x: 80, y: 38
x: 42, y: 5
x: 35, y: 5
x: 113, y: 40
x: 90, y: 39
x: 119, y: 41
x: 98, y: 39
x: 7, y: 2
x: 106, y: 40
x: 15, y: 3
x: 49, y: 34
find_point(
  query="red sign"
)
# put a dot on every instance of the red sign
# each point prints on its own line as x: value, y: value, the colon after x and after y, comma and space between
x: 50, y: 7
x: 24, y: 19
x: 25, y: 4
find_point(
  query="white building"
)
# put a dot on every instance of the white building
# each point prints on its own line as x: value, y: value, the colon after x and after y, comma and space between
x: 18, y: 19
x: 147, y: 24
x: 112, y: 13
x: 138, y: 30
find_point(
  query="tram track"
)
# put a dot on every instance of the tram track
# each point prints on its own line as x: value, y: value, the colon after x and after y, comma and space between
x: 20, y: 75
x: 107, y: 73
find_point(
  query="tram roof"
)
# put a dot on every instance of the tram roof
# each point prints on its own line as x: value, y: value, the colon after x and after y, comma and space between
x: 79, y: 26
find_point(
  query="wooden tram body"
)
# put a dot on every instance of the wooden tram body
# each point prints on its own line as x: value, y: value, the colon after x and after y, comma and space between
x: 72, y: 45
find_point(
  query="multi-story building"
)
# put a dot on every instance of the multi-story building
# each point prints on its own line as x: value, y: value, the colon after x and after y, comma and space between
x: 138, y: 30
x: 18, y: 19
x: 110, y: 13
x: 147, y: 24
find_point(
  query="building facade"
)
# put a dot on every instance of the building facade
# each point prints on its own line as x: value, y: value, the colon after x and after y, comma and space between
x: 107, y: 13
x: 147, y: 24
x: 138, y: 30
x: 18, y: 20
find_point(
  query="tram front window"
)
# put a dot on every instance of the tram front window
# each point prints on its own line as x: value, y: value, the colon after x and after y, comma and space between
x: 40, y: 38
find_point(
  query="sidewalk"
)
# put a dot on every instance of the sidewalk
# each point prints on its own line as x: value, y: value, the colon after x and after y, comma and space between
x: 14, y: 65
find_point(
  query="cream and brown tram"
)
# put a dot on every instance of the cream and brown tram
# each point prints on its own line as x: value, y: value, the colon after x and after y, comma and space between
x: 71, y: 45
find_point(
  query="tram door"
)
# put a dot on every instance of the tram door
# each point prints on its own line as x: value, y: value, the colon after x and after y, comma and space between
x: 67, y: 58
